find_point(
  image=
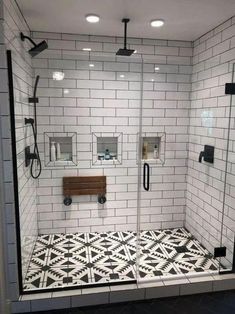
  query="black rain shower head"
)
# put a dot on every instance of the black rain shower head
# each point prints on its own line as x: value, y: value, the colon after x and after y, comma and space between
x: 37, y: 47
x: 124, y: 51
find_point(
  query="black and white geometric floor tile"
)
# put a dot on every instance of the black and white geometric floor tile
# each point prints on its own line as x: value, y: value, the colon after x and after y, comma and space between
x: 62, y: 260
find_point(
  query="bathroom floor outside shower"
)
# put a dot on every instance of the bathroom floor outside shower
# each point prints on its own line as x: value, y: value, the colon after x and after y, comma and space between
x: 81, y: 259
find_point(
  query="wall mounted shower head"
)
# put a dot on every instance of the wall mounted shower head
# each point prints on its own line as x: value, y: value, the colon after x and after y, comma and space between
x: 124, y: 51
x: 37, y: 47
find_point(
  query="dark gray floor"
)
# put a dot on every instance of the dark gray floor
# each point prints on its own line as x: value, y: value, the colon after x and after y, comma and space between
x: 211, y: 303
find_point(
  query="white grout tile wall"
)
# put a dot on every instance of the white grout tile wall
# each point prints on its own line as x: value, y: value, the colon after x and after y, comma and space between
x: 213, y: 58
x: 13, y: 24
x: 106, y: 98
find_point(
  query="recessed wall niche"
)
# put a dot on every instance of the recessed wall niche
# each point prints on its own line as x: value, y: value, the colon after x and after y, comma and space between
x: 65, y: 149
x: 153, y: 148
x: 106, y: 148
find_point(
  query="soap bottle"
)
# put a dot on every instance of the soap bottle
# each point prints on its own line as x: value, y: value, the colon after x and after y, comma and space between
x: 107, y: 154
x: 155, y: 152
x: 53, y: 156
x: 58, y: 153
x: 145, y: 150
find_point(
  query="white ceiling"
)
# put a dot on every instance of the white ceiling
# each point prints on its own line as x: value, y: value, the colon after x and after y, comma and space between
x: 184, y: 19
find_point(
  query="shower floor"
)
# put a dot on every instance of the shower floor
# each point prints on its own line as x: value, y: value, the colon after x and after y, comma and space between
x: 80, y: 259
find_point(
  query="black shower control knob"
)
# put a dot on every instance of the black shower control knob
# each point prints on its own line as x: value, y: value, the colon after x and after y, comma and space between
x: 101, y: 199
x: 67, y: 201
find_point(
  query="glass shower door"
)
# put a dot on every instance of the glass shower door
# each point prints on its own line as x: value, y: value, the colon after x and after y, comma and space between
x: 179, y: 223
x: 228, y: 213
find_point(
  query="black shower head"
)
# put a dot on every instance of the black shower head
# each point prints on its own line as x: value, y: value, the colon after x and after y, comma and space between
x: 37, y: 47
x: 124, y: 51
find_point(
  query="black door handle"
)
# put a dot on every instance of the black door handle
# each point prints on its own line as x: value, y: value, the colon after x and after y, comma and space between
x: 146, y: 174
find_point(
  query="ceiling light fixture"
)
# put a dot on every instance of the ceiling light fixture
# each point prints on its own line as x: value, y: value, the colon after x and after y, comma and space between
x: 157, y: 23
x: 122, y: 75
x: 92, y: 18
x: 86, y: 49
x: 156, y: 68
x: 91, y: 65
x: 66, y: 91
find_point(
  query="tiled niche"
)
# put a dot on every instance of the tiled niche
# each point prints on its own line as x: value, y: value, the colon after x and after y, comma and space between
x: 153, y: 148
x: 68, y: 151
x: 106, y: 148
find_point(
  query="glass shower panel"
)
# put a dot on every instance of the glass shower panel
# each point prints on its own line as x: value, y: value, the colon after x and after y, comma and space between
x: 89, y: 112
x: 179, y: 223
x: 228, y: 213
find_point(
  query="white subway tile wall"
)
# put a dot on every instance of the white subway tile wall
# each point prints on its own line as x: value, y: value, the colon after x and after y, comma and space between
x: 105, y: 97
x: 213, y: 58
x: 22, y: 79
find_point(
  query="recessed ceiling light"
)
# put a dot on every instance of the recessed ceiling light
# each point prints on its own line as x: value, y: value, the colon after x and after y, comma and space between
x: 152, y: 80
x: 92, y: 18
x: 122, y: 75
x: 58, y: 76
x: 91, y: 65
x: 156, y: 68
x: 157, y: 23
x: 66, y: 91
x: 135, y: 51
x: 86, y: 49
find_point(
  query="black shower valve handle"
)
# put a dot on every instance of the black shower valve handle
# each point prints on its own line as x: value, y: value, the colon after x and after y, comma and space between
x: 29, y: 156
x: 33, y: 100
x: 32, y: 156
x: 207, y: 154
x: 28, y: 121
x: 200, y: 156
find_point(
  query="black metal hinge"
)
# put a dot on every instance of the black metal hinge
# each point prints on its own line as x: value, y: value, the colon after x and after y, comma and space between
x: 230, y: 88
x: 220, y: 251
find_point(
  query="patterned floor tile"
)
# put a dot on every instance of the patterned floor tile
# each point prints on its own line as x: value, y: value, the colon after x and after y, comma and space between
x: 79, y: 273
x: 34, y: 279
x: 124, y: 271
x: 44, y: 240
x: 76, y: 260
x: 62, y: 260
x: 113, y: 237
x: 99, y: 271
x: 197, y: 264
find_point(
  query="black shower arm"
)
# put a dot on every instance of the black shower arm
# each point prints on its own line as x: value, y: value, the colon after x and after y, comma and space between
x: 125, y: 33
x: 23, y: 37
x: 125, y: 21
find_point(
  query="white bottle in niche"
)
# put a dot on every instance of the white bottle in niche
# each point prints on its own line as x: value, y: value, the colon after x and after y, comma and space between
x: 107, y: 154
x: 58, y: 154
x: 53, y: 156
x: 155, y: 151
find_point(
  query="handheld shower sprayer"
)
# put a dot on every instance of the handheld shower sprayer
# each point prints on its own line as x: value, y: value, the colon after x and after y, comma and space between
x: 33, y: 122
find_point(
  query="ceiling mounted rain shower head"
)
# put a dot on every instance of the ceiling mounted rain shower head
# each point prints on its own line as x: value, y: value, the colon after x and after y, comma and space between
x: 124, y: 51
x: 37, y: 47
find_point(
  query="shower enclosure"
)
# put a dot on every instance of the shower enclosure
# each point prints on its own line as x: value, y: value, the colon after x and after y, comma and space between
x: 134, y: 124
